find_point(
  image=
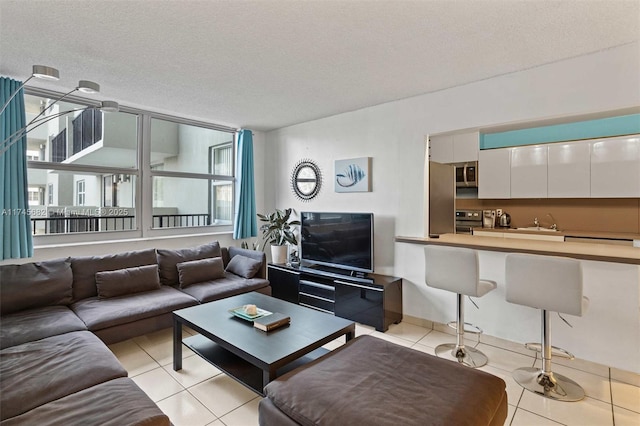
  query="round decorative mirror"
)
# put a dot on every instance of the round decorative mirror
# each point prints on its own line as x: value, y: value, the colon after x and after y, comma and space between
x: 306, y: 180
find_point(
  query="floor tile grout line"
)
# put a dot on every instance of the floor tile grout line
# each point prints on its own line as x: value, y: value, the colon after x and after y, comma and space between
x: 540, y: 415
x: 203, y: 404
x: 238, y: 407
x: 613, y: 411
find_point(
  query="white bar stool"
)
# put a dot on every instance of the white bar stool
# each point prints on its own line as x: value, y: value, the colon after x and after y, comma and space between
x: 456, y: 269
x: 552, y: 284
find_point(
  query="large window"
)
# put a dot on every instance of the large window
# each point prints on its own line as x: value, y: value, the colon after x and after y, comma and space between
x: 197, y: 158
x: 86, y: 171
x: 71, y: 155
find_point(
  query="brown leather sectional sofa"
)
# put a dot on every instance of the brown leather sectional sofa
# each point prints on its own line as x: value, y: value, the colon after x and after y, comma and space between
x: 57, y: 316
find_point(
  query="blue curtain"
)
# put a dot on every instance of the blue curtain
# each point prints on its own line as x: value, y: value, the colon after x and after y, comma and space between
x: 15, y: 227
x: 245, y: 224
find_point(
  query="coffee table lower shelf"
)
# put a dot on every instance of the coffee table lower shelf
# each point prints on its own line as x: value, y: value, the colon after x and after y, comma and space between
x: 237, y: 368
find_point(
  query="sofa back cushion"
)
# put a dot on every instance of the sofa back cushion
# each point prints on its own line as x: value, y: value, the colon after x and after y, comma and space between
x: 85, y: 269
x: 252, y: 254
x: 243, y: 266
x: 34, y: 285
x: 168, y: 259
x: 127, y: 281
x: 197, y: 271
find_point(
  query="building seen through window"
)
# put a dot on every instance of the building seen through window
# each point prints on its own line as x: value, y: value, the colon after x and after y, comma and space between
x: 85, y: 166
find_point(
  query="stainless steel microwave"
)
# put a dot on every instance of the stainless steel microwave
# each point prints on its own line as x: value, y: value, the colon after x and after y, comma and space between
x: 467, y: 174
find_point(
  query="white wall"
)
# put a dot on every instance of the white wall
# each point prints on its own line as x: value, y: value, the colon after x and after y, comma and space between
x: 394, y: 134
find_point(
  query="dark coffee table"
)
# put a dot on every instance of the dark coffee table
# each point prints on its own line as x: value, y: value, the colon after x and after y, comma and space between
x: 251, y: 356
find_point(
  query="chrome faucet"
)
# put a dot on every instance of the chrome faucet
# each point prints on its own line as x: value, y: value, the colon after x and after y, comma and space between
x: 553, y: 226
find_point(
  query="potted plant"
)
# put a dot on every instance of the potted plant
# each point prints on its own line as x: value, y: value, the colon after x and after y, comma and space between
x: 278, y: 231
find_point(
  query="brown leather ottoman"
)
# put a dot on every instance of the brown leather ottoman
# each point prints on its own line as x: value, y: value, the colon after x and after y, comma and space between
x: 372, y: 381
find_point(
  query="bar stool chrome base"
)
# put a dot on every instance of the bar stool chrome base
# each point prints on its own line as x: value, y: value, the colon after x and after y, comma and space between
x: 468, y: 327
x: 555, y: 351
x: 550, y: 385
x: 471, y: 357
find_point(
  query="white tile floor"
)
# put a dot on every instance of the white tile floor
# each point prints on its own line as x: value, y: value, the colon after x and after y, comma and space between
x: 200, y: 394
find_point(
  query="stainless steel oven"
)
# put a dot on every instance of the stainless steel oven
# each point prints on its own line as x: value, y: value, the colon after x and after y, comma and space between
x: 467, y: 175
x: 466, y: 220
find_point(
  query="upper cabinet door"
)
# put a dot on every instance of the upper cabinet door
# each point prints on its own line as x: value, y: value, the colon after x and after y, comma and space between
x: 465, y: 147
x: 494, y: 173
x: 529, y: 171
x: 569, y: 170
x: 615, y: 167
x: 441, y: 149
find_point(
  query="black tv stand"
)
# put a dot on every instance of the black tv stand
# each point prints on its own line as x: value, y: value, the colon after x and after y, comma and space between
x: 358, y: 274
x: 371, y: 299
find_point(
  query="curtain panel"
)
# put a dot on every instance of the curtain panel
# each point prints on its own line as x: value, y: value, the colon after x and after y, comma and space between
x: 15, y: 225
x: 245, y: 224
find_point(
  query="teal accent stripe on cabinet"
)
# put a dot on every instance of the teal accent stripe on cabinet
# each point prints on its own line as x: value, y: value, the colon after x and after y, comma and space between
x: 591, y: 129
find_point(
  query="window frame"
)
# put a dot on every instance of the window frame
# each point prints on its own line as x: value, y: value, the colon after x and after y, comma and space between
x: 210, y: 177
x: 81, y: 194
x: 143, y: 175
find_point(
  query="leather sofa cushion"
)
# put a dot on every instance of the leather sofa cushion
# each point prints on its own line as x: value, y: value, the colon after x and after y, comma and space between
x: 35, y: 324
x: 85, y: 268
x: 372, y: 381
x: 244, y: 266
x: 34, y: 285
x: 42, y: 371
x: 168, y: 259
x: 127, y: 281
x: 114, y: 403
x: 231, y: 285
x: 103, y: 313
x: 197, y: 271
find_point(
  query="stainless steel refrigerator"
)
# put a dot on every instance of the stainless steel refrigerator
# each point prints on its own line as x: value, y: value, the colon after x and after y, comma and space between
x: 442, y: 198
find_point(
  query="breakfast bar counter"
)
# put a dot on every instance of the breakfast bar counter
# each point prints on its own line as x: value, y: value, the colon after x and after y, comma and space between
x: 577, y: 250
x: 607, y: 334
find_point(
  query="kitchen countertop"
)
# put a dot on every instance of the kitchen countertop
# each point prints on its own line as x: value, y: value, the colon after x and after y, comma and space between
x: 627, y: 236
x: 577, y: 250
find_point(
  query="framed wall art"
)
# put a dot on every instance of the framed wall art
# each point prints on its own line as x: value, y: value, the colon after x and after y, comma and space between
x: 353, y: 175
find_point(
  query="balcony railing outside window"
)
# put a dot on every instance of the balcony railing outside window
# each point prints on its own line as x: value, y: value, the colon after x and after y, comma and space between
x: 59, y: 147
x: 87, y: 129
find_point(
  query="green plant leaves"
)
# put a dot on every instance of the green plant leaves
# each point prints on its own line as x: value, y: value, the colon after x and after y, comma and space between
x: 278, y: 228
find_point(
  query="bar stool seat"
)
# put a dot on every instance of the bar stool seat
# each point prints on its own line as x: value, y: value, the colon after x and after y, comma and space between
x: 456, y: 269
x: 551, y: 284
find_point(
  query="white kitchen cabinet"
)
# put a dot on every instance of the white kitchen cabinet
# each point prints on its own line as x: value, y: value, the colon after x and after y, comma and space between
x: 569, y: 170
x: 441, y: 149
x: 465, y: 147
x: 458, y: 148
x: 615, y: 167
x: 494, y: 173
x: 529, y: 171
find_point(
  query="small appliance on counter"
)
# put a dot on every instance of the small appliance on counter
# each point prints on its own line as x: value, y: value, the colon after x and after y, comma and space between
x: 466, y: 220
x: 488, y: 218
x: 504, y: 220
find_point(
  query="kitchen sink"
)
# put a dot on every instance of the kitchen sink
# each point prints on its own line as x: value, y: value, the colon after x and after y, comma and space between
x: 537, y: 228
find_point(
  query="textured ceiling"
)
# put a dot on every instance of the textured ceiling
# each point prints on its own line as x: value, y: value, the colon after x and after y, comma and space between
x: 268, y: 64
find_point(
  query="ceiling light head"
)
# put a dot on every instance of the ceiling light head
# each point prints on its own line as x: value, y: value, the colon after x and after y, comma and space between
x: 86, y: 86
x: 45, y: 72
x: 109, y: 106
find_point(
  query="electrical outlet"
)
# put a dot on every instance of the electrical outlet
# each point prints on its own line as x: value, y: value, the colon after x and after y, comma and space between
x: 498, y: 212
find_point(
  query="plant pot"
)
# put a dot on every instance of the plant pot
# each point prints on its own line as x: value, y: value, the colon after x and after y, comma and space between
x: 279, y: 253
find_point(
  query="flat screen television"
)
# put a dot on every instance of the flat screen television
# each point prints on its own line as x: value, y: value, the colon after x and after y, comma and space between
x: 337, y: 240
